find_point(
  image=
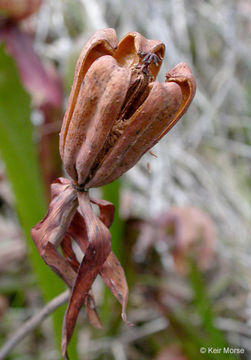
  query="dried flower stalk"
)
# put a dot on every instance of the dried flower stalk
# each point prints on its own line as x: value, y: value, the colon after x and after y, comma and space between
x: 116, y: 112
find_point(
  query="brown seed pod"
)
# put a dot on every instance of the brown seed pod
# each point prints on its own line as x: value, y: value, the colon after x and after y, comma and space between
x: 116, y: 110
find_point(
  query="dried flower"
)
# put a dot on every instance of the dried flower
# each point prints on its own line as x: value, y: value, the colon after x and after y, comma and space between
x: 116, y: 112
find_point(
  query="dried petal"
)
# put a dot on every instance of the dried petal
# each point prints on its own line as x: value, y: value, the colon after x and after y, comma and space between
x: 99, y: 248
x: 114, y: 277
x: 106, y: 211
x: 91, y: 312
x: 68, y: 252
x: 112, y: 272
x: 49, y: 232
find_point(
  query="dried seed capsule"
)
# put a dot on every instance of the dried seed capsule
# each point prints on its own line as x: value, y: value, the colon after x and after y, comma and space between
x: 100, y: 98
x: 117, y: 111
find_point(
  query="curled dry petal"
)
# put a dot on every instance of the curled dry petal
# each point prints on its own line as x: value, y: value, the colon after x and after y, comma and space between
x: 98, y: 249
x: 116, y: 110
x: 111, y: 271
x: 64, y: 224
x: 50, y: 231
x: 114, y: 277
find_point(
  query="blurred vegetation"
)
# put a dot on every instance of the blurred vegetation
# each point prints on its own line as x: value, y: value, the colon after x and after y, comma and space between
x: 20, y: 157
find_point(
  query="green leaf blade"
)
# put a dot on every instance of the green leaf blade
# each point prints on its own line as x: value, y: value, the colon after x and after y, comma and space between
x: 18, y: 151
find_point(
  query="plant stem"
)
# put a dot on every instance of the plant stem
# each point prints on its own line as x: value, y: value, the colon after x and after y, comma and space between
x: 32, y: 323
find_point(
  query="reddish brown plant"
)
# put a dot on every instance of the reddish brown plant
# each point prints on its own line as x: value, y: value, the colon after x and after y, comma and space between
x: 116, y: 112
x: 18, y: 9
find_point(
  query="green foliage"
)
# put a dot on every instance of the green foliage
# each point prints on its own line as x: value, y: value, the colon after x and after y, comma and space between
x: 212, y: 337
x: 19, y: 154
x: 193, y: 326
